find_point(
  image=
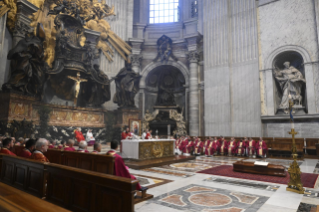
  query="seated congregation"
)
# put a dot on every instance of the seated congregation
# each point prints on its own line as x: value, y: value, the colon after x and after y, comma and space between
x: 38, y: 149
x: 185, y: 145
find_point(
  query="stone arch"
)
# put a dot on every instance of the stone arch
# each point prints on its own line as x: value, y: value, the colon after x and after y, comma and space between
x: 179, y: 65
x: 303, y: 52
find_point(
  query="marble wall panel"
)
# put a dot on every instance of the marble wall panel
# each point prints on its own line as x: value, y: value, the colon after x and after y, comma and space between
x: 291, y: 24
x: 232, y: 92
x: 304, y: 129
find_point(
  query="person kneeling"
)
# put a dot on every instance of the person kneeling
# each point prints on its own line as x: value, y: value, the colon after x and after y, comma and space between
x: 120, y: 169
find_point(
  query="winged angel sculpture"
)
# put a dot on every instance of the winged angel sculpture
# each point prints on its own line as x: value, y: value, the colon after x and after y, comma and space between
x: 91, y: 14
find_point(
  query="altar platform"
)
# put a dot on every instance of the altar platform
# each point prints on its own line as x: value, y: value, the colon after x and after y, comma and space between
x: 143, y: 164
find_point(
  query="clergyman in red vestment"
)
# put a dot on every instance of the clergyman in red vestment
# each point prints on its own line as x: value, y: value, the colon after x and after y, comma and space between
x: 41, y: 146
x: 29, y: 147
x: 78, y: 135
x: 7, y: 145
x: 119, y: 167
x: 70, y: 146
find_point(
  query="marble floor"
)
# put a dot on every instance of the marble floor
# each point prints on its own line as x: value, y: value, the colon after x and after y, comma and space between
x: 209, y: 193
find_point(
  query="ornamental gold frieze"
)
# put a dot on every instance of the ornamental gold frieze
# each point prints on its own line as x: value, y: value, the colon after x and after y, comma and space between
x: 151, y: 150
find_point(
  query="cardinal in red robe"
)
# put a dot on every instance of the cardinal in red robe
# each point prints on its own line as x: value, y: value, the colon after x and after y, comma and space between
x: 241, y: 146
x: 206, y: 145
x: 223, y: 146
x: 78, y: 135
x: 261, y: 148
x: 198, y: 148
x: 119, y: 166
x: 188, y: 148
x: 27, y: 151
x: 126, y: 134
x: 232, y: 146
x: 42, y: 146
x: 251, y: 147
x: 7, y: 145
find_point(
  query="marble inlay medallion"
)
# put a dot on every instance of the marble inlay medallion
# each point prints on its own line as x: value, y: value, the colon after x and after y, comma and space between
x: 210, y: 199
x: 200, y: 198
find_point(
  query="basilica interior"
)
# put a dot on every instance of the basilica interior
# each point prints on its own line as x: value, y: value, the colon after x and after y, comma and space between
x: 159, y: 105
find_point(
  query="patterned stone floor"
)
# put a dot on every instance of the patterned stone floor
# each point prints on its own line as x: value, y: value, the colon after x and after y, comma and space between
x: 207, y: 199
x: 191, y: 191
x: 255, y: 185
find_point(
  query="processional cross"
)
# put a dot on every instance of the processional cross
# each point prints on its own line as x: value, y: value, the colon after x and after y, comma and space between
x: 295, y: 184
x: 77, y: 86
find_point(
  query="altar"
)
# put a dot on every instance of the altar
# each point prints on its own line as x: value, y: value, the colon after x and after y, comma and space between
x: 138, y: 149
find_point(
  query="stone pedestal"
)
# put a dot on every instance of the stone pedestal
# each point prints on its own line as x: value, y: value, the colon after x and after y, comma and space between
x: 124, y: 115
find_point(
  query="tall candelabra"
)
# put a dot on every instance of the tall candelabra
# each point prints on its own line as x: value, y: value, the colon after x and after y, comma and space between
x: 295, y: 184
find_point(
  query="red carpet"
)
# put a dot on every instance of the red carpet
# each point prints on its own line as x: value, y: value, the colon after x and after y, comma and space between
x: 307, y: 179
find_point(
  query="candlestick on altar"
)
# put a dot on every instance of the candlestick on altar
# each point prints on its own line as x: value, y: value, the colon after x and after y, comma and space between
x: 168, y: 131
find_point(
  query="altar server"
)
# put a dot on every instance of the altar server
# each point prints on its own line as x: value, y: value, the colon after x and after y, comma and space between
x: 29, y: 147
x: 41, y: 147
x: 119, y: 166
x: 261, y: 148
x: 7, y: 144
x: 89, y: 138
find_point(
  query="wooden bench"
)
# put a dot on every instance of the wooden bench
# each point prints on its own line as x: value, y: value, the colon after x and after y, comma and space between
x: 12, y: 199
x: 81, y: 190
x: 72, y: 188
x: 88, y: 161
x: 282, y: 147
x: 24, y: 174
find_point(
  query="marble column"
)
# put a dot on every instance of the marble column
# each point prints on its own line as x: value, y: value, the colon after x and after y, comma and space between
x: 193, y: 58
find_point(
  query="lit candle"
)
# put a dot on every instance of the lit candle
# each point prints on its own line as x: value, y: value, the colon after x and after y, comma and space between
x: 292, y: 125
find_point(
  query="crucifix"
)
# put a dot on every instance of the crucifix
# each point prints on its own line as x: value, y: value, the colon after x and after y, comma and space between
x: 77, y: 86
x: 295, y: 184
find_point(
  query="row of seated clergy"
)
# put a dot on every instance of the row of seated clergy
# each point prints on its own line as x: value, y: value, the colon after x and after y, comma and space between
x: 215, y: 146
x: 41, y: 145
x: 82, y: 147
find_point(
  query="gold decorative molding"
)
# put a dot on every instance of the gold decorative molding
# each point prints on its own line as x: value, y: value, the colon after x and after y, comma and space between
x: 151, y: 150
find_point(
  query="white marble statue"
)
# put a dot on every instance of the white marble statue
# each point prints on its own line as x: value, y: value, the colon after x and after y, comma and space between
x: 291, y: 81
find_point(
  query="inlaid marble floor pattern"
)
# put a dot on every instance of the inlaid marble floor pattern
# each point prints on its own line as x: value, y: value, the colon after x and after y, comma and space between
x: 209, y: 193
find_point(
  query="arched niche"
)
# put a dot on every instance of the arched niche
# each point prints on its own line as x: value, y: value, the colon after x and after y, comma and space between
x: 281, y: 84
x: 167, y: 78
